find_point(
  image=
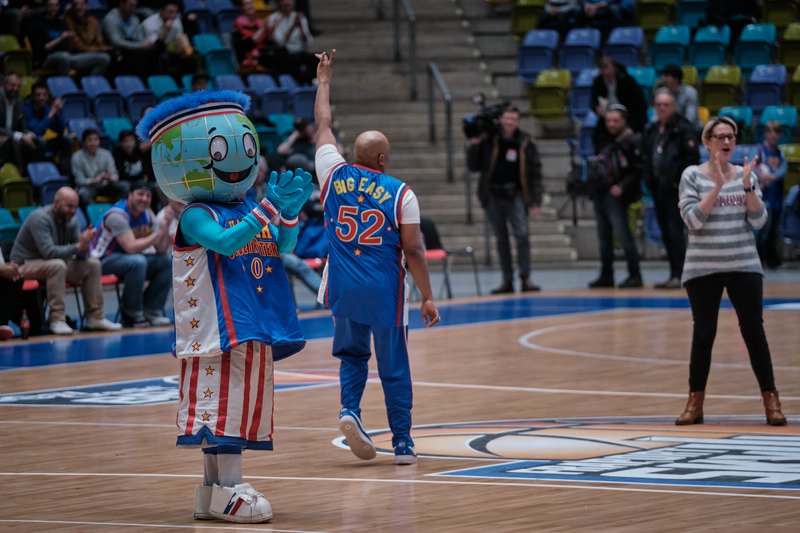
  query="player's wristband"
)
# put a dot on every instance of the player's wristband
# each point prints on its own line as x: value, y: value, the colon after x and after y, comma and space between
x: 265, y: 212
x: 289, y: 222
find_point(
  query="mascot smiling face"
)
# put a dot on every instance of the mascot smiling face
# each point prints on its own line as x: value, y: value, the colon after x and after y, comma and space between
x: 204, y: 146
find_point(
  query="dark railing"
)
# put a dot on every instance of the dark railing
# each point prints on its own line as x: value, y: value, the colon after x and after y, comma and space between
x: 412, y: 42
x: 435, y: 76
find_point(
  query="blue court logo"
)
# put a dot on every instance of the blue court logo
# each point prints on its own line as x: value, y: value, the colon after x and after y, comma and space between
x: 152, y: 391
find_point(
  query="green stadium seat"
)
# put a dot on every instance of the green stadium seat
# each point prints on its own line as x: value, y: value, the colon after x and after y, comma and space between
x: 549, y: 95
x: 721, y: 87
x: 651, y: 15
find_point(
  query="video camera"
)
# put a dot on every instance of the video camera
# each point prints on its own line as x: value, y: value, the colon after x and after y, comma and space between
x: 484, y: 121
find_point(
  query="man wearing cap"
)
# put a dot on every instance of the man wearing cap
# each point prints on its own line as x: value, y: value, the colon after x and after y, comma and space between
x: 617, y: 174
x: 132, y: 245
x: 51, y: 247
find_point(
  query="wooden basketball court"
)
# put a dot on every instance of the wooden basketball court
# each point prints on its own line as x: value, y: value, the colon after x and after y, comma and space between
x: 544, y: 413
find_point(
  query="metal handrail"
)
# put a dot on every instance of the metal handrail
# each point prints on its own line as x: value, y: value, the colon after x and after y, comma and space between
x: 412, y: 42
x: 435, y: 75
x: 378, y: 9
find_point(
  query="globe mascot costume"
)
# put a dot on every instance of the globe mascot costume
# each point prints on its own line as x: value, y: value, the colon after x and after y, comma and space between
x: 234, y: 312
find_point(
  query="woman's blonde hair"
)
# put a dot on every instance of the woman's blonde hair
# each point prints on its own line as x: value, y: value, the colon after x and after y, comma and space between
x: 713, y: 122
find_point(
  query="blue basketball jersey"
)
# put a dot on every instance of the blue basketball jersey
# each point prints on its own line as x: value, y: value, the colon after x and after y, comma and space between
x: 104, y: 243
x: 366, y: 272
x: 224, y: 301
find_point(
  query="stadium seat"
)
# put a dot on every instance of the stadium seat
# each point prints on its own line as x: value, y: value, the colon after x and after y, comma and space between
x: 114, y: 126
x: 26, y: 86
x: 107, y: 102
x: 789, y: 49
x: 79, y: 125
x: 525, y: 16
x: 15, y: 194
x: 650, y: 15
x: 709, y: 48
x: 646, y: 78
x: 780, y: 12
x: 186, y: 83
x: 721, y: 87
x: 219, y: 62
x: 234, y: 82
x: 9, y: 227
x: 198, y: 8
x: 786, y: 115
x: 9, y: 172
x: 270, y: 98
x: 586, y: 135
x: 303, y: 98
x: 76, y: 102
x: 97, y: 8
x: 581, y: 93
x: 689, y: 75
x: 207, y: 42
x: 691, y: 12
x: 163, y: 86
x: 754, y: 47
x: 765, y: 87
x: 535, y: 54
x: 548, y: 95
x: 704, y: 155
x: 41, y: 172
x: 669, y: 46
x: 792, y: 153
x: 49, y: 190
x: 95, y: 211
x: 741, y: 151
x: 18, y: 61
x: 286, y: 81
x: 579, y: 49
x: 224, y: 13
x: 137, y: 96
x: 282, y: 122
x: 624, y: 45
x: 23, y: 212
x: 743, y: 116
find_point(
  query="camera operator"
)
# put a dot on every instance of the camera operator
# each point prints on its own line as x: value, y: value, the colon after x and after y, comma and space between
x: 615, y: 182
x: 510, y: 187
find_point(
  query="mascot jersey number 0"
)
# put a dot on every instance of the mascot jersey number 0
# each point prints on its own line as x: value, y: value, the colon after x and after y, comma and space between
x: 234, y: 312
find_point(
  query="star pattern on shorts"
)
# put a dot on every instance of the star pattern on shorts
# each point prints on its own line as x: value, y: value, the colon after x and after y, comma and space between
x: 208, y: 393
x: 190, y: 281
x: 209, y: 370
x: 195, y: 323
x: 196, y: 346
x: 189, y: 261
x: 206, y: 416
x: 192, y: 302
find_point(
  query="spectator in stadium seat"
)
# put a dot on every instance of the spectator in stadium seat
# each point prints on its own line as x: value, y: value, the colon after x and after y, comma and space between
x: 51, y: 42
x: 94, y: 170
x: 129, y: 158
x: 123, y: 30
x: 86, y: 34
x: 290, y: 30
x: 615, y: 86
x: 686, y: 100
x: 17, y: 142
x: 200, y: 81
x: 166, y: 29
x: 46, y: 123
x: 561, y: 15
x: 251, y: 41
x: 606, y: 15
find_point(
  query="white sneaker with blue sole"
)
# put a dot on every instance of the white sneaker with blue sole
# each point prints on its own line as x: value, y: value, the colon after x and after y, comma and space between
x: 358, y: 440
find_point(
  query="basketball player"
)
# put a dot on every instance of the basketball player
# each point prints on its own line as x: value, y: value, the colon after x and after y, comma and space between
x: 373, y: 232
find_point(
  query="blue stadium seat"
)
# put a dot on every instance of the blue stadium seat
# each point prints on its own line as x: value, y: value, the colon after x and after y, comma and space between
x: 741, y: 151
x: 137, y: 96
x: 286, y: 81
x: 691, y: 12
x: 579, y: 50
x: 586, y: 135
x: 41, y: 172
x: 765, y: 87
x: 107, y: 101
x: 163, y: 86
x: 234, y: 82
x: 581, y: 93
x: 205, y: 21
x: 704, y: 155
x: 79, y: 125
x: 224, y: 13
x: 754, y: 46
x: 786, y: 115
x: 743, y: 116
x: 624, y: 45
x: 709, y: 48
x: 303, y: 102
x: 270, y: 97
x: 646, y: 78
x: 76, y: 102
x: 536, y: 54
x: 669, y: 46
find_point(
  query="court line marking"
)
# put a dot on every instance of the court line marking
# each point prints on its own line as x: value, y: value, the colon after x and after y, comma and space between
x: 525, y: 340
x: 414, y: 481
x: 160, y: 526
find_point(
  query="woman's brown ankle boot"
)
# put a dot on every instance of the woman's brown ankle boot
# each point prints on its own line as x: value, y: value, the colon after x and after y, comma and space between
x: 772, y: 407
x: 693, y: 414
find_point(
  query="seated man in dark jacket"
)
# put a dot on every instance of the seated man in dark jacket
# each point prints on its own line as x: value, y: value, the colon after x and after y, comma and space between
x: 617, y: 182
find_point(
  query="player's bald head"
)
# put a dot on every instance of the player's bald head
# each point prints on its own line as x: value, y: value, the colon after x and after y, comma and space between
x: 372, y: 150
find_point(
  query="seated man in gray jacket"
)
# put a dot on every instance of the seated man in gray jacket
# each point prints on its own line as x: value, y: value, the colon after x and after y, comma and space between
x: 50, y: 247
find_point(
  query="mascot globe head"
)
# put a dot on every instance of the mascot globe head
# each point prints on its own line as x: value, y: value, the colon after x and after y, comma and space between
x: 204, y: 148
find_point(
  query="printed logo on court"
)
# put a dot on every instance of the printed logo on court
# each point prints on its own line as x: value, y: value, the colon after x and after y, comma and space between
x: 149, y: 391
x: 735, y: 452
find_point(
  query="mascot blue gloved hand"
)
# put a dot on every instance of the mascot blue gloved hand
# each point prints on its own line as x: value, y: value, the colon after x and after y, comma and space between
x: 289, y: 191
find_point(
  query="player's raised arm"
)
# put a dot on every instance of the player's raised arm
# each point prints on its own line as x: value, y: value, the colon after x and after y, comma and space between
x: 323, y: 118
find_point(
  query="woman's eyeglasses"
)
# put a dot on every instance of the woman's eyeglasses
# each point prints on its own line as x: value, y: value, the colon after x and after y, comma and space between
x: 722, y: 137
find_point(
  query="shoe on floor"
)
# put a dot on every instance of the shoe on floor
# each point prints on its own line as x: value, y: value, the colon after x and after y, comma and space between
x: 631, y: 282
x: 404, y: 454
x: 242, y: 504
x: 505, y: 288
x: 102, y: 324
x: 156, y: 321
x: 671, y: 283
x: 202, y: 502
x: 527, y: 286
x: 601, y: 283
x: 134, y: 322
x: 59, y: 327
x: 6, y: 332
x: 358, y: 440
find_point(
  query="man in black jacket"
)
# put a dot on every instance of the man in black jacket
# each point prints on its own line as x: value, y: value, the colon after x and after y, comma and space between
x: 617, y: 183
x: 669, y: 146
x: 615, y: 86
x: 509, y: 189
